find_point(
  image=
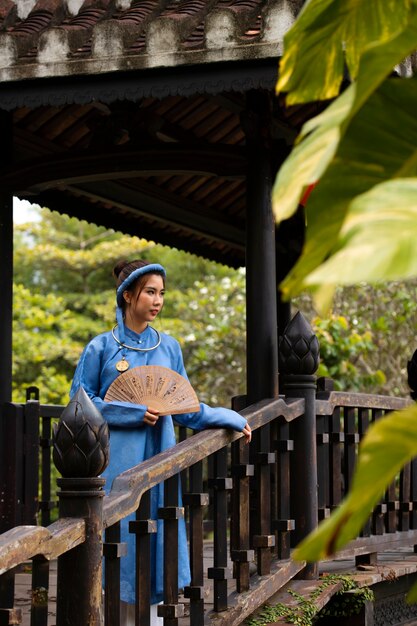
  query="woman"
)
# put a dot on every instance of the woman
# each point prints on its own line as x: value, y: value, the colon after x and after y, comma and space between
x: 137, y: 431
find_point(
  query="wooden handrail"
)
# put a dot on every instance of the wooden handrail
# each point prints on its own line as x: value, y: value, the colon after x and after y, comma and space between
x: 327, y: 401
x: 128, y: 487
x: 24, y: 542
x: 19, y: 544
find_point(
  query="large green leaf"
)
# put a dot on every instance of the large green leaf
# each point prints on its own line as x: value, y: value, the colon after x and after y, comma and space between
x: 381, y: 145
x: 320, y: 137
x: 378, y: 237
x: 332, y: 32
x: 388, y: 445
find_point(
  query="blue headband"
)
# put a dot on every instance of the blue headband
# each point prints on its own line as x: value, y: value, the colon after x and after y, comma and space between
x: 145, y: 269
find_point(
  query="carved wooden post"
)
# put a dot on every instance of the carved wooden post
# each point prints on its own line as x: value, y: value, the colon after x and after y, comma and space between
x: 298, y: 360
x: 81, y: 453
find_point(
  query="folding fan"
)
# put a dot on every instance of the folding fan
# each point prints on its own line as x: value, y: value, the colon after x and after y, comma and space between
x: 158, y: 387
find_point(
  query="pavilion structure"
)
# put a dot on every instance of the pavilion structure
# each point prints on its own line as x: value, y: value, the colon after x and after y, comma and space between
x: 158, y: 118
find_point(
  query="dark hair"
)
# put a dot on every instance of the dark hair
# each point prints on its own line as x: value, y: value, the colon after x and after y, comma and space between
x: 123, y: 269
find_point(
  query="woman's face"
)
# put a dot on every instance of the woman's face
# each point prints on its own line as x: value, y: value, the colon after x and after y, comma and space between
x: 144, y: 307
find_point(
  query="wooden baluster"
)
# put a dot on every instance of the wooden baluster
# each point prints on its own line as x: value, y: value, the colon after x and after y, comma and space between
x: 378, y: 525
x: 171, y: 513
x: 40, y: 587
x: 336, y: 439
x: 196, y: 500
x: 372, y: 557
x: 393, y: 506
x: 406, y: 503
x: 325, y: 386
x: 263, y: 540
x: 220, y: 573
x: 31, y: 457
x: 363, y: 425
x: 283, y: 524
x: 143, y: 527
x: 241, y: 555
x: 113, y: 550
x: 413, y: 493
x: 323, y: 466
x: 351, y: 442
x: 46, y: 443
x: 8, y: 614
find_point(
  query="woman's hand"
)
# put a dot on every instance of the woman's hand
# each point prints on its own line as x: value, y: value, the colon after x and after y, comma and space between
x: 247, y: 431
x: 151, y: 416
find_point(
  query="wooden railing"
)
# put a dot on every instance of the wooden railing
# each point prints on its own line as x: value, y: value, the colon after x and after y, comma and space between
x: 341, y: 420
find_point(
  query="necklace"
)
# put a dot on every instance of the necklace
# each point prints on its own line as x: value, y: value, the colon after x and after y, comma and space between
x: 123, y: 365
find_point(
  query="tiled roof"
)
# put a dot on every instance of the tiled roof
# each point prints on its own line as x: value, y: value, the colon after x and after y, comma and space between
x: 47, y: 38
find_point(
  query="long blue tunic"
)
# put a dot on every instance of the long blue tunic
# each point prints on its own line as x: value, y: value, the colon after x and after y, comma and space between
x: 132, y: 441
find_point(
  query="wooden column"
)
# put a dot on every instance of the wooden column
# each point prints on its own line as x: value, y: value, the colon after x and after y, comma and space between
x: 261, y: 307
x: 299, y: 359
x: 80, y: 458
x: 6, y: 255
x: 6, y: 290
x: 261, y: 288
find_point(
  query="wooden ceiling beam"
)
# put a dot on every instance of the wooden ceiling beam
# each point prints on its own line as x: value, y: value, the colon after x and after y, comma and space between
x: 89, y: 166
x: 144, y: 200
x: 129, y: 211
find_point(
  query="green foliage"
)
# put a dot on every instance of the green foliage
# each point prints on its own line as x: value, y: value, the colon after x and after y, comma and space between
x: 306, y: 611
x: 51, y: 326
x: 334, y: 34
x: 360, y: 153
x: 64, y: 296
x: 210, y: 324
x: 343, y: 354
x: 389, y: 444
x: 359, y: 142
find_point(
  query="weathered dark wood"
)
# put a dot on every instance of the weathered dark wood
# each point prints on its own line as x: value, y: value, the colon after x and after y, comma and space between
x: 406, y: 502
x: 263, y: 539
x: 336, y: 439
x: 128, y: 487
x: 113, y: 550
x: 378, y: 516
x: 6, y: 319
x: 93, y: 165
x: 40, y: 588
x: 79, y: 583
x: 243, y: 605
x: 170, y: 610
x: 241, y: 554
x: 261, y: 289
x: 413, y: 490
x: 363, y: 425
x: 351, y: 442
x: 323, y: 466
x: 13, y: 497
x: 304, y: 503
x: 6, y: 256
x: 364, y: 400
x: 220, y: 573
x: 261, y: 307
x: 20, y: 544
x: 143, y: 527
x: 196, y: 500
x: 283, y: 524
x: 377, y: 543
x: 7, y: 585
x: 45, y: 503
x: 31, y: 459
